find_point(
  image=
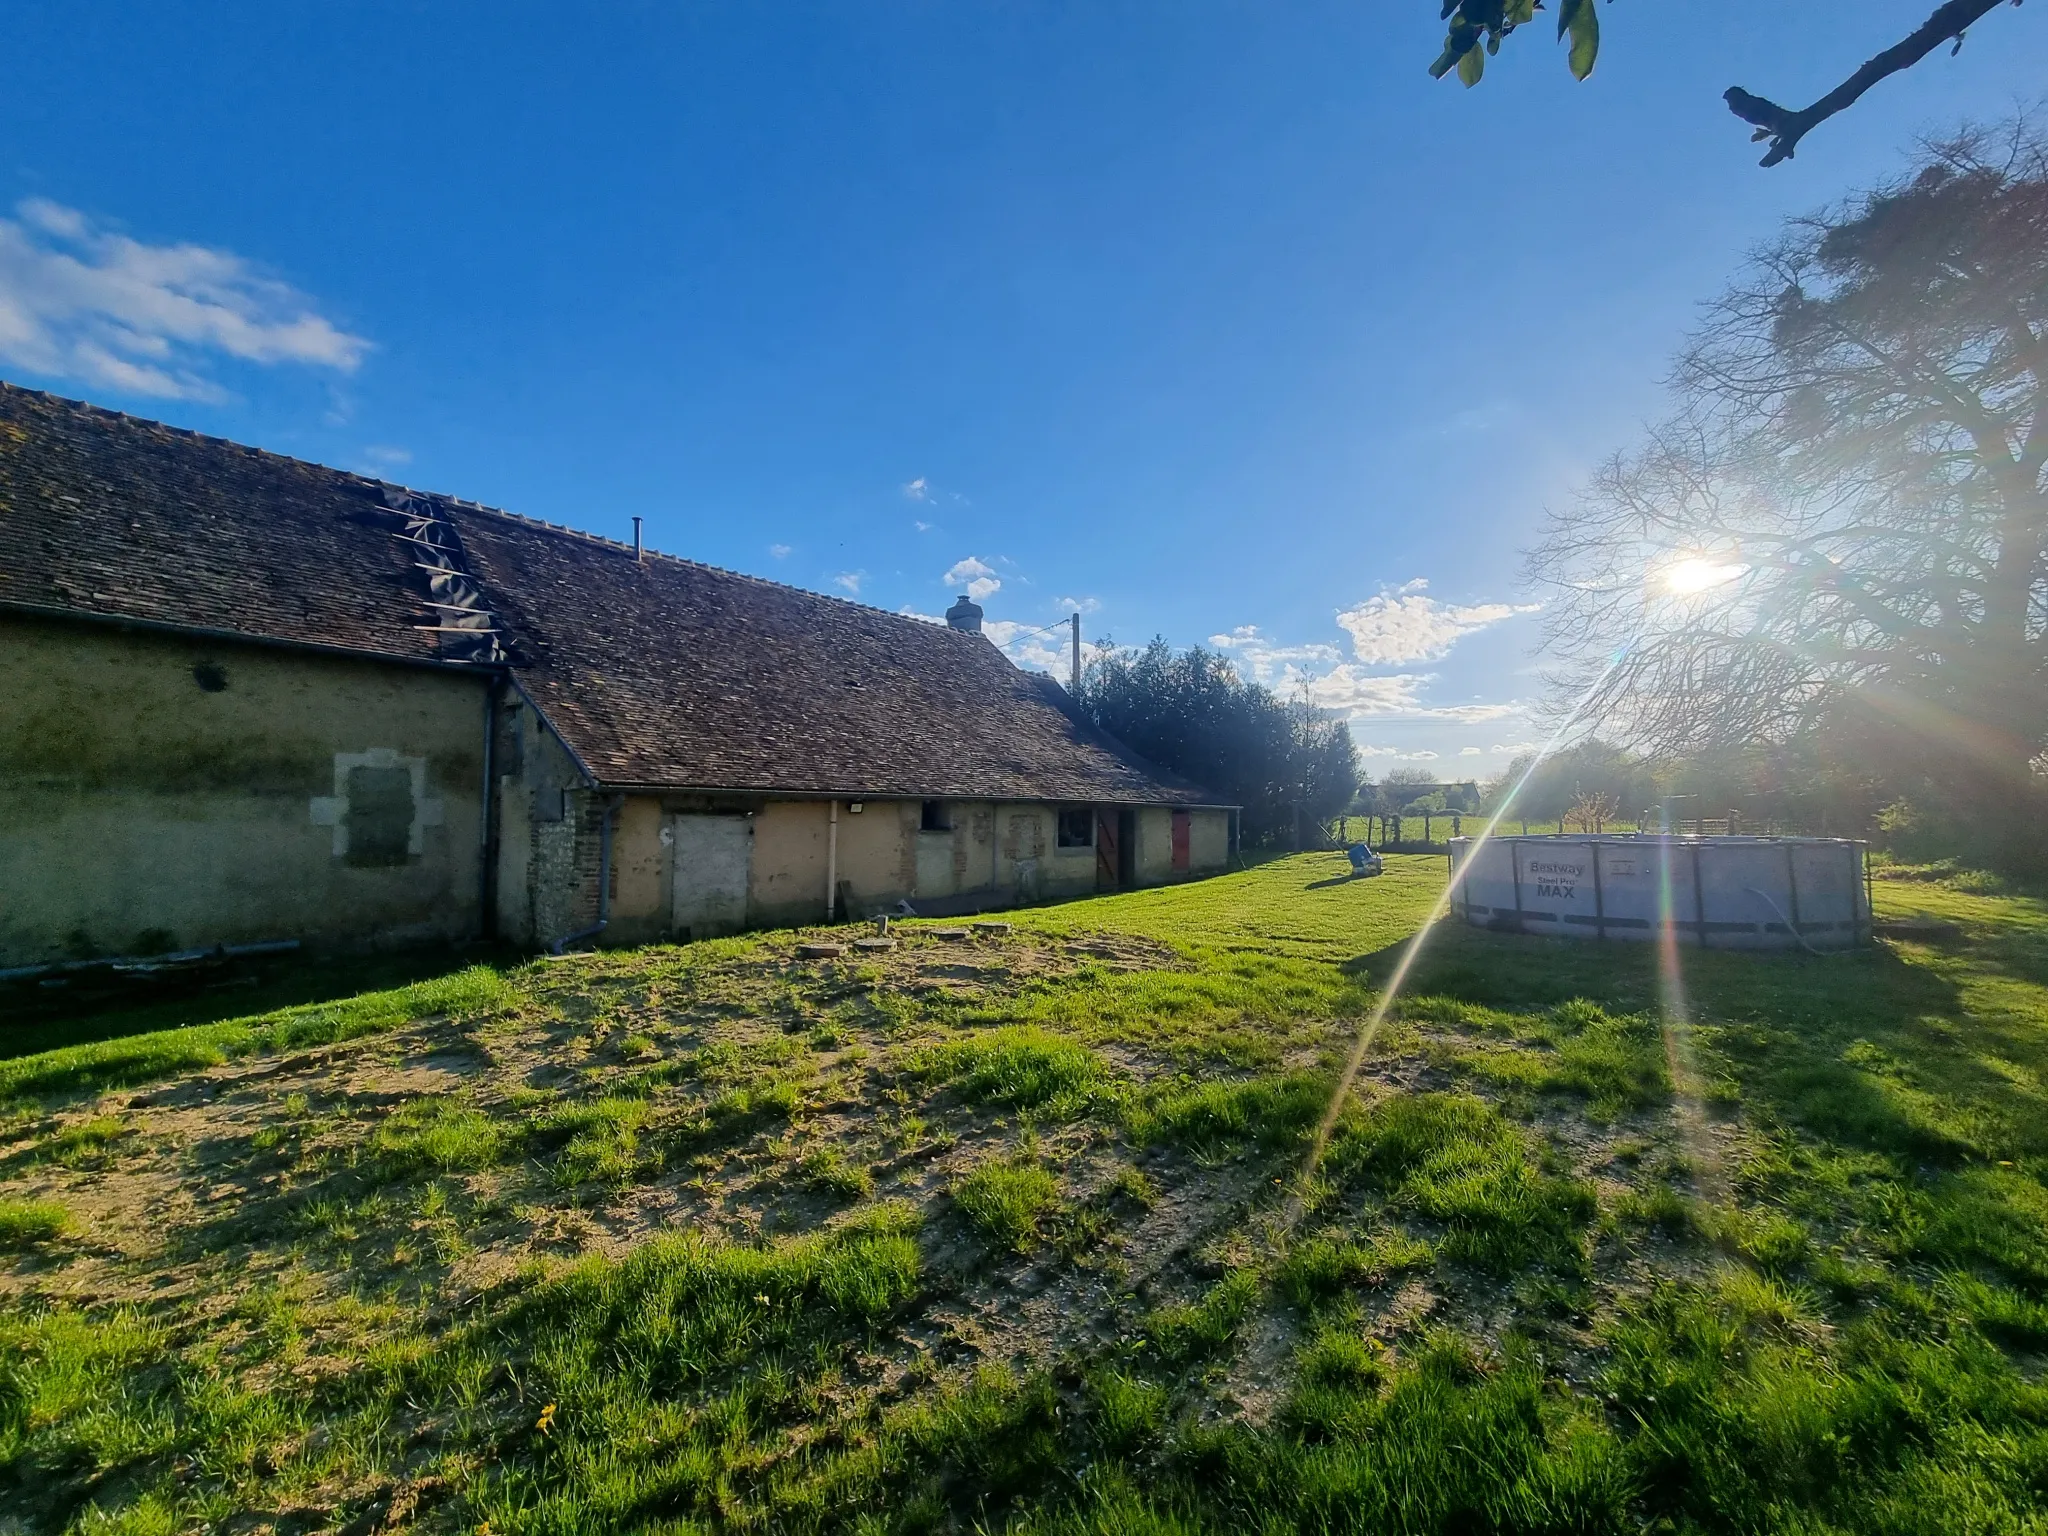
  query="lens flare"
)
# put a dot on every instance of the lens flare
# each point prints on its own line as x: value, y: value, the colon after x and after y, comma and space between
x: 1676, y: 1027
x: 1297, y: 1200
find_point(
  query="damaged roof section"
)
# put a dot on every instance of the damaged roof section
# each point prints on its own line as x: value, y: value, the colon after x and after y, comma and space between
x: 657, y: 672
x: 108, y: 516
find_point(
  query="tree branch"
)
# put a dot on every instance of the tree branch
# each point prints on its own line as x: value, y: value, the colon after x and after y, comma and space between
x: 1785, y: 128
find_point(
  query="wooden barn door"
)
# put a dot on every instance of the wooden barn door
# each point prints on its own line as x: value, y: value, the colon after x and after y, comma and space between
x: 1180, y: 842
x: 1107, y: 843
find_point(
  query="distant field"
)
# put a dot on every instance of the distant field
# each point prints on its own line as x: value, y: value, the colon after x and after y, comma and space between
x: 1013, y: 1234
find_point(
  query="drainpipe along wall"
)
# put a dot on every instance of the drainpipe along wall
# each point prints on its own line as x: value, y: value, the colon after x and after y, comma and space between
x: 487, y: 855
x: 832, y: 861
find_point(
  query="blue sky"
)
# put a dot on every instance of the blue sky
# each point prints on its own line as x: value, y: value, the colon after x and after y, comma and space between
x: 1220, y: 320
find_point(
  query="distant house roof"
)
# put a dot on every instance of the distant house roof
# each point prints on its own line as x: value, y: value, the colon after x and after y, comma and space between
x: 657, y: 672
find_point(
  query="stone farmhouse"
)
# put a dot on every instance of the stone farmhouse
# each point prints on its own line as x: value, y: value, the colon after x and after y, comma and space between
x: 245, y: 698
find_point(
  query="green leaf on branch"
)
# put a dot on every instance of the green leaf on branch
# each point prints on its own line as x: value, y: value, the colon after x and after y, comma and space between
x: 1582, y: 22
x: 1472, y: 66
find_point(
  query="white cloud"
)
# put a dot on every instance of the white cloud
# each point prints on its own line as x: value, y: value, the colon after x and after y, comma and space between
x: 979, y: 578
x: 1269, y: 661
x: 779, y: 551
x: 1423, y: 756
x: 1470, y: 752
x: 920, y: 525
x: 918, y: 490
x: 80, y: 302
x: 1349, y: 689
x: 383, y: 454
x: 1380, y: 752
x: 1079, y: 605
x: 850, y: 580
x: 909, y: 612
x: 1514, y: 747
x: 1035, y: 648
x: 1401, y: 624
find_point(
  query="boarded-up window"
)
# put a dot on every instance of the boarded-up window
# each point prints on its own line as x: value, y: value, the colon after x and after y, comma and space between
x: 380, y: 815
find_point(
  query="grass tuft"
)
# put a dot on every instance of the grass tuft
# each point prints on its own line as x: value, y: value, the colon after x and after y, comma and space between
x: 1455, y: 1159
x: 435, y: 1135
x: 1008, y: 1201
x: 1319, y: 1267
x: 1211, y: 1118
x: 1198, y: 1330
x: 30, y: 1223
x: 1021, y: 1066
x: 829, y: 1171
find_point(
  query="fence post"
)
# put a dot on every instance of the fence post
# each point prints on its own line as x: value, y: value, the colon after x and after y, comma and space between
x: 1425, y: 827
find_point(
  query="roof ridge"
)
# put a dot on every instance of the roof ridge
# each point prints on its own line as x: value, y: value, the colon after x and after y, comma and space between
x: 685, y: 560
x: 462, y: 502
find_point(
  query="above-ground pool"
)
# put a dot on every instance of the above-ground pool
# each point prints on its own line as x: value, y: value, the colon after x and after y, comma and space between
x: 1725, y: 892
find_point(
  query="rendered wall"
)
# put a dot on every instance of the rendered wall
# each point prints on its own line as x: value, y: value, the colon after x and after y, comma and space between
x: 789, y: 863
x: 159, y: 793
x: 1154, y: 854
x: 642, y: 852
x: 991, y: 856
x: 1208, y: 842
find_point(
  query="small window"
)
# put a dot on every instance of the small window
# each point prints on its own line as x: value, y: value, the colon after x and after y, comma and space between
x: 935, y: 817
x: 1077, y: 827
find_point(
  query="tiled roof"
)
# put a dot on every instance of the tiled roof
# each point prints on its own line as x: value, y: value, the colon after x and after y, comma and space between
x: 662, y: 671
x: 106, y: 514
x: 657, y: 672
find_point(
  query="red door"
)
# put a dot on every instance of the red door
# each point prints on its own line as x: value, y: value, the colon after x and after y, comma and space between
x: 1180, y: 842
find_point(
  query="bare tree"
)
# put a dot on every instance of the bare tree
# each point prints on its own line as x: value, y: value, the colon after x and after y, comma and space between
x: 1849, y: 515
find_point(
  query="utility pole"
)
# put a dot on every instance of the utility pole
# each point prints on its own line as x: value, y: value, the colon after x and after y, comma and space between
x: 1076, y: 690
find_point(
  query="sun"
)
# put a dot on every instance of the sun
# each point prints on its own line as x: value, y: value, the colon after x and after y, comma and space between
x: 1696, y: 574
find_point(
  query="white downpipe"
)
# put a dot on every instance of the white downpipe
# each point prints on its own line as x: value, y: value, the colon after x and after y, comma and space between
x: 832, y: 862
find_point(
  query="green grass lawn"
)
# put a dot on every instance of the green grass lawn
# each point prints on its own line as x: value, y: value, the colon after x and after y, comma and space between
x: 1016, y: 1234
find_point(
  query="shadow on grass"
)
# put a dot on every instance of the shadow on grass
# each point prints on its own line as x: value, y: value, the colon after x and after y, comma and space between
x: 1878, y: 1049
x: 1323, y: 885
x: 259, y: 986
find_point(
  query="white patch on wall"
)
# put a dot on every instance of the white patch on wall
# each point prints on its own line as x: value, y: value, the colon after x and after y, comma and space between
x: 363, y: 784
